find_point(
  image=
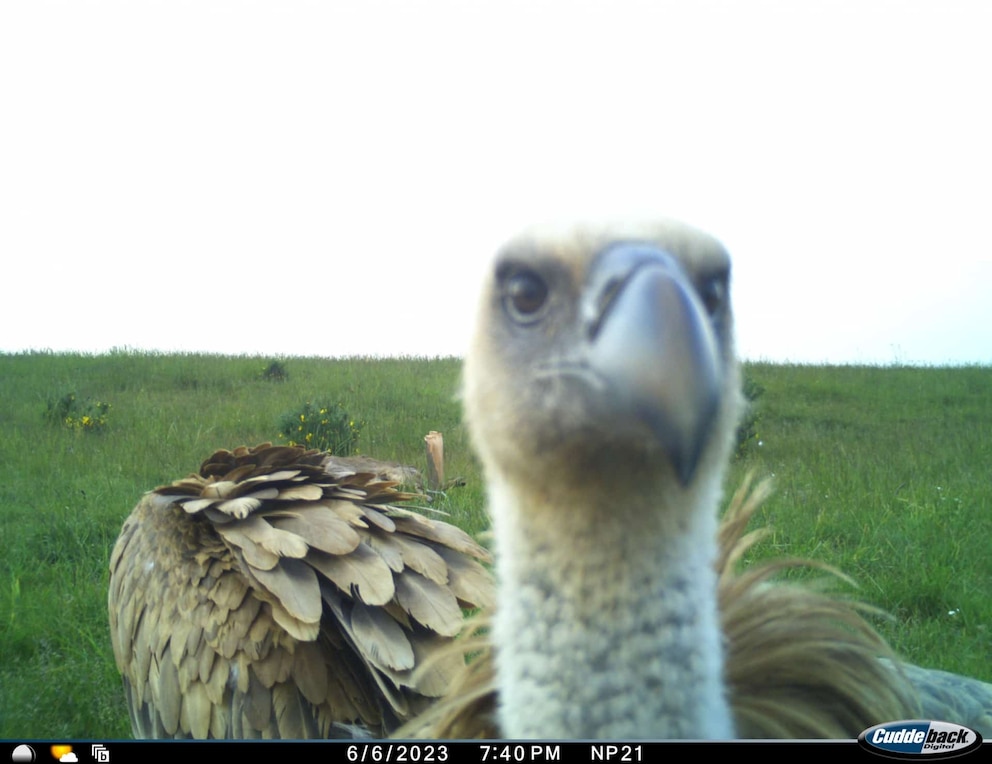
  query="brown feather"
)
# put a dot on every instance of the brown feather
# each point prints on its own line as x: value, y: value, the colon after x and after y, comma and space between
x: 381, y: 638
x: 251, y: 553
x: 378, y: 519
x: 362, y: 572
x: 295, y: 585
x: 384, y: 546
x: 800, y: 662
x: 470, y: 582
x: 321, y: 528
x: 429, y: 603
x: 219, y: 596
x: 421, y: 558
x: 281, y: 543
x: 309, y: 673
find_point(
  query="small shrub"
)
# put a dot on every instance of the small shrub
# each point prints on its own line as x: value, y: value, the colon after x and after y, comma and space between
x: 88, y: 416
x: 274, y: 372
x: 747, y: 430
x: 326, y: 427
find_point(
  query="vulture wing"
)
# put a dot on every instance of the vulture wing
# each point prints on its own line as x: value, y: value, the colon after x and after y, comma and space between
x: 953, y: 698
x: 264, y: 597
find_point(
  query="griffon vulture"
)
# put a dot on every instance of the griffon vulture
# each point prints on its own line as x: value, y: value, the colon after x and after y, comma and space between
x: 271, y: 595
x: 268, y: 597
x: 602, y: 393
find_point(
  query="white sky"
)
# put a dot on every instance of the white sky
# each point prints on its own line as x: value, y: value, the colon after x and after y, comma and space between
x: 329, y: 178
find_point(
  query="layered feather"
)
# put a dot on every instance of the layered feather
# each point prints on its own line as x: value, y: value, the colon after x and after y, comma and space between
x: 265, y: 596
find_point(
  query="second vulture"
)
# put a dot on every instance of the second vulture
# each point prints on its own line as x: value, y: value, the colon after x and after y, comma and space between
x: 273, y: 594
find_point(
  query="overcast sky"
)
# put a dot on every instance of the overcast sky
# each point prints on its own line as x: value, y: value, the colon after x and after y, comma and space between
x: 330, y: 178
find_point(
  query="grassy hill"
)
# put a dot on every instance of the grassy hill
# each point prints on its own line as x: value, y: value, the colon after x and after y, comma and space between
x: 883, y: 472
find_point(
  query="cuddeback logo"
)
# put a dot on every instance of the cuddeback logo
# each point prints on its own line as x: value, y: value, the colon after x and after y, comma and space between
x: 918, y: 738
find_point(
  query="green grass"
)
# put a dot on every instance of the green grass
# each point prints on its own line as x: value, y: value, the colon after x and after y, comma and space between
x: 883, y: 472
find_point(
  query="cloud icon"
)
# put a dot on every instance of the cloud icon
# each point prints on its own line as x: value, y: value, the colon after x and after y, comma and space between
x: 70, y: 757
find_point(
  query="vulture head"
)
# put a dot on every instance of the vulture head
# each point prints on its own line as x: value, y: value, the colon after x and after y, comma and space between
x: 602, y: 395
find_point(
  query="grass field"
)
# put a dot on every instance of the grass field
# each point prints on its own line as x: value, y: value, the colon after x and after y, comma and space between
x: 883, y: 472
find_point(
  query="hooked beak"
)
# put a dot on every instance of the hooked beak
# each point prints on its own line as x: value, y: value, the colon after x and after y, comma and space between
x: 652, y: 342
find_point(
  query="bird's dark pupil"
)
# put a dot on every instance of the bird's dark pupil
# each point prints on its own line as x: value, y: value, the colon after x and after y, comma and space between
x: 527, y: 292
x: 712, y: 295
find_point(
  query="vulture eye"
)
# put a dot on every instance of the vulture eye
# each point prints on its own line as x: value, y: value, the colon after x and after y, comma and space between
x: 524, y: 296
x: 713, y: 292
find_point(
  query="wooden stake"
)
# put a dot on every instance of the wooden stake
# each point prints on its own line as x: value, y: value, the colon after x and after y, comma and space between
x: 434, y: 443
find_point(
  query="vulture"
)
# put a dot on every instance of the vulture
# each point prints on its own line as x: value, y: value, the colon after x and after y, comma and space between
x: 601, y: 391
x: 274, y: 594
x: 277, y: 594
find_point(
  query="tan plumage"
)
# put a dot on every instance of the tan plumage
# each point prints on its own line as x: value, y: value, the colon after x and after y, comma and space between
x: 602, y: 392
x: 266, y: 597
